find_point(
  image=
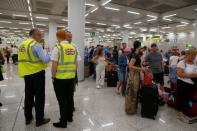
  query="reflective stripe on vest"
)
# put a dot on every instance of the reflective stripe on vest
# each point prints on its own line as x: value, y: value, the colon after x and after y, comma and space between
x: 28, y: 62
x: 29, y: 56
x: 62, y: 58
x: 67, y: 63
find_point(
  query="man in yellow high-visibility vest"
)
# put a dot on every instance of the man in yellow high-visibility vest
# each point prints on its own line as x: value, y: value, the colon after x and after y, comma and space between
x: 31, y: 66
x: 64, y: 67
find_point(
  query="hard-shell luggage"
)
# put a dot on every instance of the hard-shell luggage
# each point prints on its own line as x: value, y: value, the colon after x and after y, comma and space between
x: 112, y: 78
x: 149, y: 101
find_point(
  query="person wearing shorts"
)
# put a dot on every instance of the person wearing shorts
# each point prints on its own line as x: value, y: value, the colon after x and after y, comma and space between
x: 122, y: 70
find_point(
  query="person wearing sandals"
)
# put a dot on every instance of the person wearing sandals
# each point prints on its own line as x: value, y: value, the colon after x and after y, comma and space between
x: 186, y: 71
x: 133, y: 81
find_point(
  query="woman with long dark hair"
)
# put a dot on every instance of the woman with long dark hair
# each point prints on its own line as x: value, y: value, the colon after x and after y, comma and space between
x: 133, y: 83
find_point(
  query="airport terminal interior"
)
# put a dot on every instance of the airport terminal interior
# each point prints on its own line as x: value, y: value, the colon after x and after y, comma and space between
x: 110, y: 25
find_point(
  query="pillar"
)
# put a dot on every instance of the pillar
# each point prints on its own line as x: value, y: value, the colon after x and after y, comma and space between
x: 52, y: 34
x: 76, y: 25
x: 46, y: 38
x: 125, y: 38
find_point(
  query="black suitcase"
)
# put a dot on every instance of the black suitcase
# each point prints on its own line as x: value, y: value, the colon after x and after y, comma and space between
x: 112, y: 78
x: 149, y: 101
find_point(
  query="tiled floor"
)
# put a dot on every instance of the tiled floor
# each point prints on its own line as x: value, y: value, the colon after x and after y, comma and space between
x: 96, y: 110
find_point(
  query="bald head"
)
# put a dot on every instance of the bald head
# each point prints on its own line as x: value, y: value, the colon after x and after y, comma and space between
x: 69, y: 36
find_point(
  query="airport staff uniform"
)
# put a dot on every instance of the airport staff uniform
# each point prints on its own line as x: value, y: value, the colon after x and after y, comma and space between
x: 66, y: 56
x: 32, y: 67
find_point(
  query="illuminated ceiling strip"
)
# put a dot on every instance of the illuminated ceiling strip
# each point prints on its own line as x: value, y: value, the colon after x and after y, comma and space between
x: 170, y: 15
x: 89, y: 4
x: 106, y: 2
x: 94, y: 10
x: 110, y: 8
x: 133, y: 12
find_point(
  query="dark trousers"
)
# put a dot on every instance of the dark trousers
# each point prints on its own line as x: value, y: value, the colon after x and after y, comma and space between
x: 35, y: 86
x: 64, y: 90
x: 185, y: 91
x: 15, y: 58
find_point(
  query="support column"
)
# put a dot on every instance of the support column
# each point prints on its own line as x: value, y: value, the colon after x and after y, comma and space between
x: 125, y: 38
x: 76, y: 25
x: 52, y: 34
x: 46, y: 38
x: 195, y: 36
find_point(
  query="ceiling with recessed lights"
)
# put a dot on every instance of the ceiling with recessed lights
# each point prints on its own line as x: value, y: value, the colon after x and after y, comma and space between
x: 17, y: 17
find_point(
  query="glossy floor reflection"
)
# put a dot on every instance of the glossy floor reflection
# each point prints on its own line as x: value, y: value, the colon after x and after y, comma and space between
x: 96, y: 110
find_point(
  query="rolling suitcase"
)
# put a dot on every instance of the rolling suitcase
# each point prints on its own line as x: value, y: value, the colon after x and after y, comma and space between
x: 149, y: 101
x: 112, y: 78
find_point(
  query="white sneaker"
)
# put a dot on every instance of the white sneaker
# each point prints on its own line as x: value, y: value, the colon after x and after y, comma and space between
x: 98, y: 87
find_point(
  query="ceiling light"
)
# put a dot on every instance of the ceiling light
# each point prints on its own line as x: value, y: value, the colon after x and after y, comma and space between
x: 106, y: 2
x: 167, y: 27
x: 114, y: 25
x: 101, y: 24
x: 61, y: 26
x: 94, y: 10
x: 151, y: 19
x: 110, y: 8
x: 184, y: 23
x: 39, y: 24
x: 64, y: 19
x: 5, y: 22
x: 128, y: 27
x: 17, y: 15
x: 29, y: 8
x: 89, y: 4
x: 132, y: 12
x: 132, y: 33
x: 143, y: 29
x: 162, y: 32
x: 166, y: 19
x: 1, y: 13
x: 26, y: 29
x: 87, y: 22
x: 28, y: 2
x: 44, y: 18
x: 170, y: 15
x: 17, y: 31
x: 152, y: 16
x: 137, y: 23
x: 31, y: 18
x: 23, y: 23
x: 4, y: 30
x: 180, y: 25
x: 1, y: 27
x: 30, y: 14
x: 86, y: 15
x: 14, y: 28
